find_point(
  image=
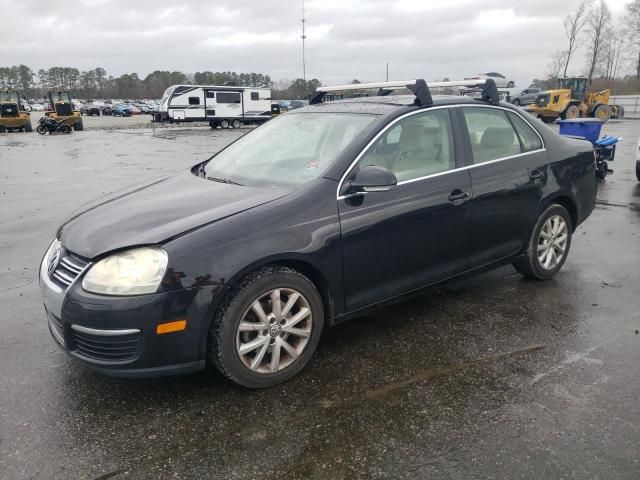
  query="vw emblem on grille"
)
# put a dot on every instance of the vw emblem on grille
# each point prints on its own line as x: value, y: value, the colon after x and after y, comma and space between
x: 52, y: 261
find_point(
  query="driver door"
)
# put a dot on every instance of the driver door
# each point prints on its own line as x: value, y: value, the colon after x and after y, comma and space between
x: 415, y: 234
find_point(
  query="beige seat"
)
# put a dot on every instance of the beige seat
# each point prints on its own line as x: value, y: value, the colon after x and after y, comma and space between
x: 497, y: 142
x: 420, y: 152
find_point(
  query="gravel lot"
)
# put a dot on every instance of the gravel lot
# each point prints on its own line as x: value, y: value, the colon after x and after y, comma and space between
x: 492, y: 377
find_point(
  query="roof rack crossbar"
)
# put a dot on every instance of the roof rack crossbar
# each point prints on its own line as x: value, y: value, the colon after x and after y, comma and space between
x: 418, y: 87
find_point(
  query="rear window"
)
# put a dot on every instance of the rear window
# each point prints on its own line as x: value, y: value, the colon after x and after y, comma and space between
x: 528, y: 137
x: 491, y: 134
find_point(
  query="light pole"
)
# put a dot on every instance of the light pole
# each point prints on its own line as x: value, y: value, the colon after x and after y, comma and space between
x: 303, y: 37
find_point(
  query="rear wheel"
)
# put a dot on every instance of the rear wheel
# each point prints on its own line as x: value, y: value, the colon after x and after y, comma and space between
x: 548, y: 246
x: 571, y: 112
x: 548, y: 119
x: 602, y: 113
x: 213, y: 124
x: 65, y: 128
x: 510, y: 85
x: 28, y: 127
x: 638, y: 170
x: 224, y: 124
x: 516, y: 102
x: 236, y: 124
x: 79, y: 126
x: 620, y: 113
x: 268, y: 328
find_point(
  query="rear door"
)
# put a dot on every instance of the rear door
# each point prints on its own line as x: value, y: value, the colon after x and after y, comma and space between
x: 399, y: 240
x: 508, y: 168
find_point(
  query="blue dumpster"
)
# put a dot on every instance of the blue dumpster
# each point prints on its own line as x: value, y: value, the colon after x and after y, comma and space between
x: 588, y: 128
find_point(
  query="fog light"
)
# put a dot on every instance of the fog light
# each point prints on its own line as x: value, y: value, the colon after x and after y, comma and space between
x: 171, y: 327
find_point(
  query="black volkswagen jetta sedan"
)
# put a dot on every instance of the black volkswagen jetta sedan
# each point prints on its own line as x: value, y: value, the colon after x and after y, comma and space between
x: 312, y: 218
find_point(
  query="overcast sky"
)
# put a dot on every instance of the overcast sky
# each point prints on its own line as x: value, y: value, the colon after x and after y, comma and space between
x: 346, y: 39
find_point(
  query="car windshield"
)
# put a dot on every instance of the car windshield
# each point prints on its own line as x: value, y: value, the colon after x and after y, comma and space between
x: 289, y: 150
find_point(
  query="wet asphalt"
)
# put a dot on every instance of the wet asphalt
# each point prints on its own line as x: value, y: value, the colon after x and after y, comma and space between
x: 491, y: 377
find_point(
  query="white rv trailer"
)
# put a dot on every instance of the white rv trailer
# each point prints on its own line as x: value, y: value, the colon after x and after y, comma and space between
x: 222, y: 106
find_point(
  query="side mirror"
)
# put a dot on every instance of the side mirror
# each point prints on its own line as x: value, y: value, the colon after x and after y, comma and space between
x: 373, y: 178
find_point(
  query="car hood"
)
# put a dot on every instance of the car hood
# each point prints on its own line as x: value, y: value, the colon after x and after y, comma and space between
x: 156, y: 212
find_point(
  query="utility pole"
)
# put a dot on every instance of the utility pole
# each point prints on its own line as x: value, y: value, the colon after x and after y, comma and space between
x: 303, y: 37
x: 387, y: 71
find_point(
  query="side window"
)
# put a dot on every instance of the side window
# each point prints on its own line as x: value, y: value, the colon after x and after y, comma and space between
x: 491, y: 133
x: 228, y: 97
x: 210, y: 94
x: 415, y: 147
x: 194, y: 100
x: 255, y: 96
x: 529, y: 139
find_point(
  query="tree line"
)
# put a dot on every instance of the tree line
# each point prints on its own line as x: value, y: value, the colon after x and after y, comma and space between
x: 608, y: 44
x: 97, y: 83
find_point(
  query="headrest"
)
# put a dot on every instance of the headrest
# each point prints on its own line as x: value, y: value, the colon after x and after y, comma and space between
x: 497, y: 137
x: 417, y: 138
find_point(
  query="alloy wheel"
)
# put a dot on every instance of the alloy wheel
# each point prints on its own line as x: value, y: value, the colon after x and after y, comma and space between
x: 274, y: 330
x: 552, y: 242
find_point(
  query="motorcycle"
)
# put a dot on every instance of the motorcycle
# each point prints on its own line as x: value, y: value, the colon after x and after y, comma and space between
x: 46, y: 124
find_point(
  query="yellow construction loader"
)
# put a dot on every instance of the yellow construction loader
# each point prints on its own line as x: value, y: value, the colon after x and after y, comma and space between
x: 62, y: 108
x: 572, y: 100
x: 12, y: 113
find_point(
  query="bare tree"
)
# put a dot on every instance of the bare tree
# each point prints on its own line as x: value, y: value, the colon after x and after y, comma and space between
x: 597, y: 25
x: 573, y: 25
x: 632, y: 21
x: 558, y: 59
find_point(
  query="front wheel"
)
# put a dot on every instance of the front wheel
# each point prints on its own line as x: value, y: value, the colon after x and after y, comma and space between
x: 548, y: 247
x: 236, y: 124
x: 224, y: 124
x: 41, y: 130
x: 571, y: 112
x: 602, y: 113
x: 65, y: 128
x: 79, y: 126
x: 510, y: 85
x: 266, y: 331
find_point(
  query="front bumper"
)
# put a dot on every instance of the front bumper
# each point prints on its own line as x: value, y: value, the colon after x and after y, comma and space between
x: 117, y: 335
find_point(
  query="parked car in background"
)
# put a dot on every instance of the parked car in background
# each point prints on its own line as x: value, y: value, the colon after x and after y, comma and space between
x: 107, y: 110
x: 90, y: 109
x: 293, y: 104
x: 37, y: 107
x: 143, y: 107
x: 527, y: 96
x: 315, y: 217
x: 121, y: 110
x: 501, y: 80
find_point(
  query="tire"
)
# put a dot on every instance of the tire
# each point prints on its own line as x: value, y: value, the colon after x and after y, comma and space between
x: 213, y: 124
x: 224, y: 124
x: 530, y: 264
x: 516, y: 102
x: 41, y: 130
x: 548, y: 119
x: 602, y: 113
x: 236, y: 124
x: 28, y: 127
x: 65, y: 128
x: 79, y: 126
x: 638, y: 170
x: 225, y: 338
x: 620, y: 114
x: 510, y: 85
x: 572, y: 112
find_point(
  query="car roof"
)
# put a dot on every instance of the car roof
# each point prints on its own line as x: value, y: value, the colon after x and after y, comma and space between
x: 387, y: 104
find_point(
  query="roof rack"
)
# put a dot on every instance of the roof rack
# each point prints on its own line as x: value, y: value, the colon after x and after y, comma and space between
x: 419, y: 87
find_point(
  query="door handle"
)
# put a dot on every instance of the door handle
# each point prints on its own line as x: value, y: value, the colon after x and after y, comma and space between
x: 536, y: 174
x: 458, y: 197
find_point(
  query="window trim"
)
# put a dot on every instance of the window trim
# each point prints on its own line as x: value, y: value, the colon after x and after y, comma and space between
x: 466, y: 167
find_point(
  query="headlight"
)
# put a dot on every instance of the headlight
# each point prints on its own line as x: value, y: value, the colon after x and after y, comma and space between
x: 132, y: 272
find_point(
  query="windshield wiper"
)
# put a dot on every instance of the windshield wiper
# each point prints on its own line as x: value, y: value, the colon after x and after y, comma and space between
x: 224, y: 180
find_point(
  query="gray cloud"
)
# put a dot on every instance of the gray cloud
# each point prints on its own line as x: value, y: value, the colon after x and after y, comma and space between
x: 346, y: 38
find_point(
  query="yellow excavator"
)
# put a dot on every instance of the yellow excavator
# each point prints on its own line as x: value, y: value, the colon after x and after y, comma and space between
x: 12, y: 113
x: 572, y: 100
x: 62, y: 108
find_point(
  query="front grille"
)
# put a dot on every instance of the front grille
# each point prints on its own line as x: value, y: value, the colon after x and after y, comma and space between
x: 68, y: 269
x: 106, y: 348
x: 542, y: 100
